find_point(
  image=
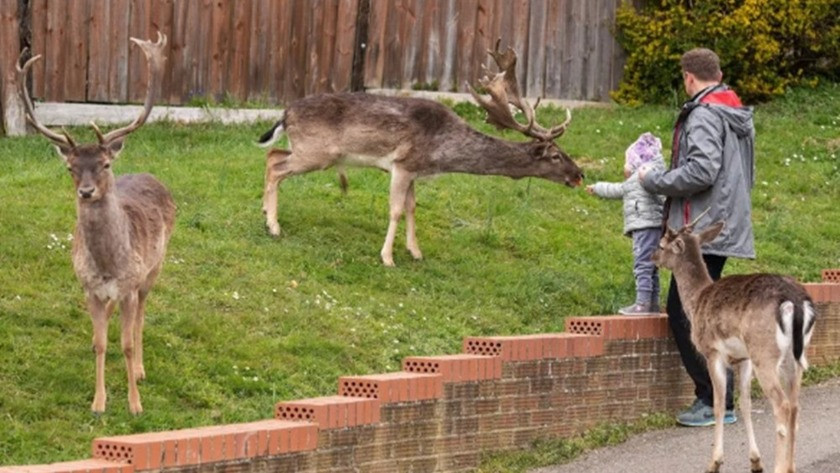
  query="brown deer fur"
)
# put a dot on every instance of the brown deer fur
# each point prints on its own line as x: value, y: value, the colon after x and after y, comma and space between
x: 123, y: 226
x: 410, y: 138
x: 757, y: 321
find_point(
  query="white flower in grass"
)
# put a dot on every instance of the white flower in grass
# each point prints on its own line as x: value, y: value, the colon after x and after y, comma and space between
x: 235, y: 295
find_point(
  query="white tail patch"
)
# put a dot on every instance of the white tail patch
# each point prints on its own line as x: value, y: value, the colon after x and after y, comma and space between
x: 276, y: 133
x: 808, y: 328
x: 784, y: 331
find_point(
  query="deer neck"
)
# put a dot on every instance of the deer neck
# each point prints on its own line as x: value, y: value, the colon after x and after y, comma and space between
x: 103, y: 232
x: 485, y: 155
x: 692, y: 278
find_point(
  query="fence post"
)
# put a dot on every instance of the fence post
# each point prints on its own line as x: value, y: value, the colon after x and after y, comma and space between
x: 11, y: 106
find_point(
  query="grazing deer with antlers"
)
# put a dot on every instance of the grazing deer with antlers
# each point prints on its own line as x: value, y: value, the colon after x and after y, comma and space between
x: 122, y: 229
x: 757, y: 321
x: 411, y: 138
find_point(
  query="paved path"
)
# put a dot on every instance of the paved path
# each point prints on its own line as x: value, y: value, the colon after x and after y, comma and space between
x: 688, y: 450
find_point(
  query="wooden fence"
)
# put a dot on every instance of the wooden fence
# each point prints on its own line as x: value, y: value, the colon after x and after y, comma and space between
x: 278, y: 50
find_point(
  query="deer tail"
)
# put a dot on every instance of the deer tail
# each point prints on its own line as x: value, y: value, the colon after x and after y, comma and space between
x: 268, y: 138
x: 796, y: 325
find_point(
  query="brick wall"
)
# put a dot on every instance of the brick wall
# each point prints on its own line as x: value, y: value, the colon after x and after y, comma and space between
x: 442, y: 412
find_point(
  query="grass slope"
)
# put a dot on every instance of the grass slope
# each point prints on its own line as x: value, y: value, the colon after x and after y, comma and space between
x: 239, y: 320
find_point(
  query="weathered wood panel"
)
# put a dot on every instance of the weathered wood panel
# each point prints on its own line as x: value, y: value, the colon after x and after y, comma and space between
x: 278, y: 50
x: 12, y: 120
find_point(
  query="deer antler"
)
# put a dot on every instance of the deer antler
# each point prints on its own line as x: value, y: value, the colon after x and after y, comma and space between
x: 155, y: 60
x: 504, y: 91
x: 63, y: 139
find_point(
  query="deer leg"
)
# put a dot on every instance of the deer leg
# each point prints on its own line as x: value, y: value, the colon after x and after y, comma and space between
x: 276, y: 169
x: 768, y: 377
x: 139, y: 323
x: 793, y: 397
x: 410, y: 228
x: 99, y: 313
x: 717, y: 372
x: 746, y: 413
x: 400, y: 182
x: 128, y: 316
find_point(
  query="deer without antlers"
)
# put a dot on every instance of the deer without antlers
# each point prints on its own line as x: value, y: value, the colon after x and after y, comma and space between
x: 122, y: 229
x: 761, y: 322
x: 411, y: 138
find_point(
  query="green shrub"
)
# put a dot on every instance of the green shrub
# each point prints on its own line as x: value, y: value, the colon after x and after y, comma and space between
x: 765, y: 46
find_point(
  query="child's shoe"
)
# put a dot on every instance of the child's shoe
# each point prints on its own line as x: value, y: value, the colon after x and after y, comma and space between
x: 639, y: 308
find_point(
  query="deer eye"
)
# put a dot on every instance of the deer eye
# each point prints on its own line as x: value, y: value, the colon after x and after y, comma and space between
x: 106, y: 166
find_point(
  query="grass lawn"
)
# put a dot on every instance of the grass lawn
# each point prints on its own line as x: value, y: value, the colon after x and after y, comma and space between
x: 238, y: 320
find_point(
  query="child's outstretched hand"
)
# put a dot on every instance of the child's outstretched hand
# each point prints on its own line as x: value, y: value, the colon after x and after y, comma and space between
x: 590, y: 189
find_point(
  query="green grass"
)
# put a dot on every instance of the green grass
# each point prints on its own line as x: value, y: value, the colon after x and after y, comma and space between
x: 238, y: 320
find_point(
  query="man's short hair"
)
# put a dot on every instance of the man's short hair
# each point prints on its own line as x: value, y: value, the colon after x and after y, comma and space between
x: 703, y: 63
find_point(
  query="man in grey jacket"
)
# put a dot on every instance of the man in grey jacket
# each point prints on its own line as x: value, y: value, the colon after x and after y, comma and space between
x: 712, y: 167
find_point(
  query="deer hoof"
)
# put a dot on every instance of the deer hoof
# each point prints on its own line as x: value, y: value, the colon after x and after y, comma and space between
x: 139, y: 373
x: 135, y: 409
x: 416, y: 254
x: 755, y: 465
x: 714, y: 467
x: 274, y: 230
x: 388, y: 261
x: 98, y: 407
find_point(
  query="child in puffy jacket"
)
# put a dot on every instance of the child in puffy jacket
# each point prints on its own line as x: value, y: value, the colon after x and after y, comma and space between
x: 642, y: 220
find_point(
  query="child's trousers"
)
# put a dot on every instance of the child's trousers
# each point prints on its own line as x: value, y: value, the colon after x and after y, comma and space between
x: 645, y: 242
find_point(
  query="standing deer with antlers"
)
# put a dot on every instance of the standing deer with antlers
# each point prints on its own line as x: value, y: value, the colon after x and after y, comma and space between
x: 411, y: 138
x: 123, y: 226
x: 760, y: 322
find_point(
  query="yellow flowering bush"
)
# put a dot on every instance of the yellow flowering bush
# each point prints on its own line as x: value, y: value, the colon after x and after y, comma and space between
x: 765, y: 46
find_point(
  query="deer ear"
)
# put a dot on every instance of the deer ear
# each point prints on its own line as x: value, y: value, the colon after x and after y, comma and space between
x: 540, y: 150
x: 63, y: 152
x: 678, y: 247
x: 711, y: 232
x: 115, y: 148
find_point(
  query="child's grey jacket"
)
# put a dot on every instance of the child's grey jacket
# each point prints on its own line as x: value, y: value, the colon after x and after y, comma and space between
x: 641, y: 208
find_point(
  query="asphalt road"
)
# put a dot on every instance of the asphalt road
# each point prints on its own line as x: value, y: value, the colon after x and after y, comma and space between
x: 688, y: 450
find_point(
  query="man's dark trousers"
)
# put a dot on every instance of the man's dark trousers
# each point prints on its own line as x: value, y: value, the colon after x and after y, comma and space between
x: 694, y: 362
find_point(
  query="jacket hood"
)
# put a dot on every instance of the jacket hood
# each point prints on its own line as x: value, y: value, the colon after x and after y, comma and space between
x: 728, y: 106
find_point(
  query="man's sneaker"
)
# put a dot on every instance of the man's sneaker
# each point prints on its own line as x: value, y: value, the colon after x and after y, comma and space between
x: 639, y: 308
x: 701, y: 415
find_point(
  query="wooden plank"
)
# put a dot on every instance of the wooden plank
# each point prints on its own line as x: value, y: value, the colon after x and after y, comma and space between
x: 38, y: 11
x: 375, y: 55
x: 138, y: 26
x: 320, y: 37
x: 590, y: 52
x: 279, y: 50
x: 12, y: 119
x: 449, y: 45
x: 535, y: 80
x: 76, y: 50
x: 220, y: 36
x: 54, y: 51
x: 296, y: 60
x: 162, y: 19
x: 392, y: 71
x: 116, y: 55
x: 342, y: 67
x: 432, y: 32
x: 465, y: 70
x: 258, y: 54
x: 485, y: 39
x: 411, y: 30
x: 575, y: 46
x: 99, y: 48
x: 518, y: 38
x: 237, y: 82
x: 554, y: 46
